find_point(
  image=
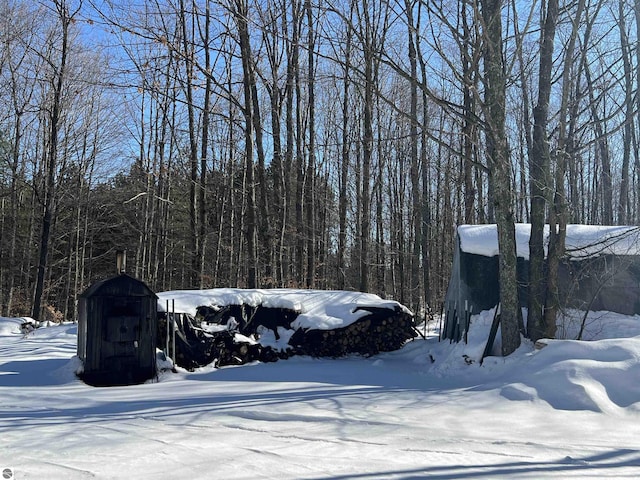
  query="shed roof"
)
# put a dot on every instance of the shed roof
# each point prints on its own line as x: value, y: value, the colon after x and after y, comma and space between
x: 122, y: 284
x: 582, y: 240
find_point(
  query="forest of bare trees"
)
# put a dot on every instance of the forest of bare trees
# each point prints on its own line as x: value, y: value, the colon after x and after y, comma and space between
x: 330, y: 144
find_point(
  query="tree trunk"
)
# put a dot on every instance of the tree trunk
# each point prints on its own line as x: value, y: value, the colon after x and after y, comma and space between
x: 202, y: 184
x: 194, y: 240
x: 367, y: 144
x: 344, y: 163
x: 500, y: 174
x: 51, y: 152
x: 416, y: 213
x: 291, y: 125
x: 539, y: 176
x: 311, y: 162
x: 469, y: 111
x: 299, y: 161
x: 425, y: 214
x: 558, y: 214
x: 623, y: 204
x: 240, y: 14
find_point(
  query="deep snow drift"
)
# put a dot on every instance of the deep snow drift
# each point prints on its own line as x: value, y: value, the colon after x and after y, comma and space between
x: 430, y: 410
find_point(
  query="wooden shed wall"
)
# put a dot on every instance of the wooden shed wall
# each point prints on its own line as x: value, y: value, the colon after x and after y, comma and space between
x: 117, y: 332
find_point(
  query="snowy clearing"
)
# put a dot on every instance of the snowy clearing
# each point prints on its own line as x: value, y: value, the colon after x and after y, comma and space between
x: 570, y: 410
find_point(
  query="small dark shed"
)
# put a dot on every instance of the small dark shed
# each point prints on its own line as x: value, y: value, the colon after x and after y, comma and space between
x: 117, y: 329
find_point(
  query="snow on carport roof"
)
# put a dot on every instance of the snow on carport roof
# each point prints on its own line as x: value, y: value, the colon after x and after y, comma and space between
x: 582, y: 240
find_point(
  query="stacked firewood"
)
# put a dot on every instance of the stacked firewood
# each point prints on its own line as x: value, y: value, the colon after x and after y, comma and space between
x: 378, y: 330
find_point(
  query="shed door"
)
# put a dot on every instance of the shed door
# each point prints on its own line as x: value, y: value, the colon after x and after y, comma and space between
x: 122, y: 325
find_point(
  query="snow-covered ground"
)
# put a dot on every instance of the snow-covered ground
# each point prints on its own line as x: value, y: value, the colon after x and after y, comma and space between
x: 430, y: 410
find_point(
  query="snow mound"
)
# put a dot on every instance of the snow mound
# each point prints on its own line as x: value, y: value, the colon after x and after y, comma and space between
x: 600, y: 376
x: 12, y: 326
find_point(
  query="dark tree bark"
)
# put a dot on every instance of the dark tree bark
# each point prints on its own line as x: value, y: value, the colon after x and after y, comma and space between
x: 623, y: 204
x: 469, y: 127
x: 344, y: 162
x: 539, y: 165
x: 425, y: 242
x: 188, y: 56
x: 291, y: 123
x: 204, y: 147
x: 311, y: 162
x: 416, y: 214
x: 279, y: 196
x: 264, y: 232
x: 558, y: 215
x: 299, y: 154
x: 368, y: 35
x: 500, y: 173
x: 51, y: 154
x: 240, y: 12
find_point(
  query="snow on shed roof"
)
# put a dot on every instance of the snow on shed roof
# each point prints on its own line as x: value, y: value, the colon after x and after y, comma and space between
x: 582, y: 240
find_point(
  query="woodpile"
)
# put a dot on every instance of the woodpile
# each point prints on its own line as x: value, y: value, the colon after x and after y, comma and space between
x: 378, y: 330
x: 195, y: 347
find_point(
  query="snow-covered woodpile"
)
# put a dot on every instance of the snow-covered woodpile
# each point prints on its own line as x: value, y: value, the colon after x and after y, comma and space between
x: 191, y: 346
x: 380, y: 330
x: 233, y: 326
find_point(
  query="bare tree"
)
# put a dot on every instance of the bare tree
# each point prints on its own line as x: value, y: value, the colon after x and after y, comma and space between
x: 240, y: 11
x: 65, y: 16
x: 623, y: 203
x: 500, y: 172
x: 539, y: 174
x: 311, y: 161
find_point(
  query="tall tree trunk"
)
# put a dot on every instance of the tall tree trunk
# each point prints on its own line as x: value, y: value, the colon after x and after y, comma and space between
x: 291, y: 123
x: 299, y: 162
x: 311, y: 162
x: 202, y: 184
x: 558, y: 215
x: 623, y: 204
x: 469, y: 127
x: 279, y: 194
x: 240, y: 13
x: 14, y: 210
x: 264, y: 232
x: 416, y: 213
x: 344, y: 163
x: 51, y: 153
x: 367, y: 143
x: 500, y: 174
x: 188, y: 55
x: 602, y: 152
x: 539, y: 174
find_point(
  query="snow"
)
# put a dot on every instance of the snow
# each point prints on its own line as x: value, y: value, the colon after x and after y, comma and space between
x: 319, y: 309
x: 581, y: 240
x: 429, y: 410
